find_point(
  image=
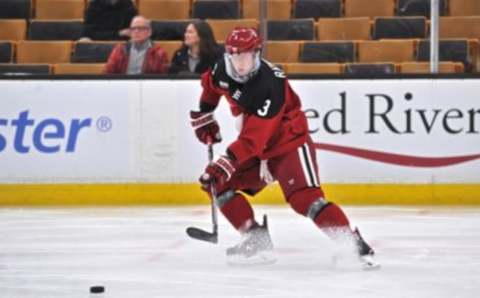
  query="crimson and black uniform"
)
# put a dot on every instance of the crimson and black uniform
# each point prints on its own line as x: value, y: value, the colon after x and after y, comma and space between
x: 273, y: 130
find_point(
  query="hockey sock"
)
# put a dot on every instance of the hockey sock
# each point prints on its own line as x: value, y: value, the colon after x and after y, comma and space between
x: 333, y: 221
x: 326, y: 215
x: 238, y: 212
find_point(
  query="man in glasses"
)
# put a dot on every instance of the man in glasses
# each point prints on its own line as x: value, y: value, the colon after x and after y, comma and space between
x: 139, y: 55
x: 273, y: 144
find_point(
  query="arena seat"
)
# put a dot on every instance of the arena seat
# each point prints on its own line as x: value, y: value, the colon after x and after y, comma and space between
x: 92, y: 52
x: 78, y: 68
x: 344, y: 29
x: 313, y: 68
x: 15, y: 9
x: 164, y: 9
x: 44, y: 51
x: 296, y: 29
x: 6, y: 51
x: 170, y: 47
x: 449, y: 50
x: 386, y: 51
x: 13, y: 29
x: 29, y: 69
x: 418, y: 7
x: 216, y: 9
x: 400, y: 27
x: 464, y: 7
x: 370, y: 8
x: 169, y: 29
x: 339, y: 52
x: 460, y: 27
x: 55, y: 30
x: 369, y: 68
x: 59, y: 9
x: 221, y: 28
x: 424, y: 67
x: 317, y: 9
x: 282, y: 51
x: 276, y: 9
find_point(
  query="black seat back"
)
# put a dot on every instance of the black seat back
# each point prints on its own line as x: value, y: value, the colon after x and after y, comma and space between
x: 297, y: 29
x: 400, y: 27
x: 340, y: 52
x: 317, y: 9
x: 216, y: 9
x: 92, y: 52
x: 55, y: 30
x: 369, y: 68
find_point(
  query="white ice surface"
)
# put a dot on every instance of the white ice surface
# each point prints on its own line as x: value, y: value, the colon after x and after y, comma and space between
x: 144, y: 252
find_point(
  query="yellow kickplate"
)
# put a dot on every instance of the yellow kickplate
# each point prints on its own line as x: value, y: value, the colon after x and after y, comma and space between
x: 190, y: 194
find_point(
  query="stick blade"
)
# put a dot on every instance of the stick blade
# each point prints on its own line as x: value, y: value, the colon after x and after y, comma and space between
x: 199, y: 234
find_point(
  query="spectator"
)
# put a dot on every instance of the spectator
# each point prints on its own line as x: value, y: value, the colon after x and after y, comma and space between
x: 139, y: 55
x: 104, y: 18
x: 199, y: 50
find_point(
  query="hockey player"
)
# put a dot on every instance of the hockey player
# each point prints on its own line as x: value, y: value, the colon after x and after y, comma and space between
x: 273, y: 144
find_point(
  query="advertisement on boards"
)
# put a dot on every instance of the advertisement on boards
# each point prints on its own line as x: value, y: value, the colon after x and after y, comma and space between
x: 398, y: 131
x: 63, y: 131
x: 138, y: 131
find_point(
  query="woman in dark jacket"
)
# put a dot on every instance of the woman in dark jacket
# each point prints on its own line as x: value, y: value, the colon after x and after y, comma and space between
x: 105, y: 18
x: 199, y: 51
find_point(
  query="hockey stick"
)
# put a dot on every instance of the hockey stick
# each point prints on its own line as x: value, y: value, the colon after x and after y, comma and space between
x: 200, y: 234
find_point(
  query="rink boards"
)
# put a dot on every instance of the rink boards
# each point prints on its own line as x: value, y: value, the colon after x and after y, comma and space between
x: 398, y: 141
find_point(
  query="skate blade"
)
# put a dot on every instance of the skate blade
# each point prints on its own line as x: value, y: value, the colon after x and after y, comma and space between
x: 260, y: 259
x: 368, y: 263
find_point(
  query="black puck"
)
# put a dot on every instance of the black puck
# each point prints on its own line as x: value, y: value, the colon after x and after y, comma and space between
x: 97, y: 289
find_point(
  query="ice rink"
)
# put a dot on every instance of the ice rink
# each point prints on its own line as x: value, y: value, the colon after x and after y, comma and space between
x: 144, y: 252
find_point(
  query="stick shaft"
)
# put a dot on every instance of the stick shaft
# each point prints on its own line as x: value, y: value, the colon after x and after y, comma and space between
x: 201, y: 234
x: 213, y: 192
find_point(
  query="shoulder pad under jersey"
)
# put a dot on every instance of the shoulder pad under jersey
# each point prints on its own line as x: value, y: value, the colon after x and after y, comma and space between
x: 264, y: 94
x: 219, y: 75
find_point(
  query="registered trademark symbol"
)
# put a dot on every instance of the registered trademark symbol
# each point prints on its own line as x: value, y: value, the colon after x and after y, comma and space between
x: 104, y: 124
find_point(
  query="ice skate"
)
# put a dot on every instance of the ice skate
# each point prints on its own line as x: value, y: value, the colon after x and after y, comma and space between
x: 365, y: 252
x: 256, y: 247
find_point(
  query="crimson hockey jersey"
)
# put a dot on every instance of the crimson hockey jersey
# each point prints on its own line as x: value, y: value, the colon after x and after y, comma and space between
x: 273, y: 122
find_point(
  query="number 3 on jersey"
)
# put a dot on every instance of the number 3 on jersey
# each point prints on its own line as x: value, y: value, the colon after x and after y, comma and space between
x: 264, y: 110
